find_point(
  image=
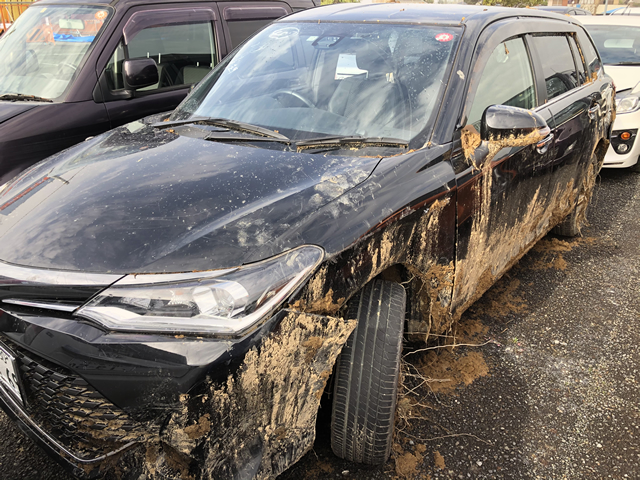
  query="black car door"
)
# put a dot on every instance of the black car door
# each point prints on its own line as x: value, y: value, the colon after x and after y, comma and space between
x: 504, y: 192
x: 573, y: 102
x: 185, y: 40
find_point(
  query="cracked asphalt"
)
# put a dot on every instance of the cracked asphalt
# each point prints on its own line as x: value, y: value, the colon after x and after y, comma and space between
x: 559, y: 336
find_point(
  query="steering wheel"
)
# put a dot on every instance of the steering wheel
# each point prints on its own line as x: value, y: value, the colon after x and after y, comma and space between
x: 303, y: 99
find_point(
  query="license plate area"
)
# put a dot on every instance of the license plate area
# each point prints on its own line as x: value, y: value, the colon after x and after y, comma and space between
x: 9, y: 378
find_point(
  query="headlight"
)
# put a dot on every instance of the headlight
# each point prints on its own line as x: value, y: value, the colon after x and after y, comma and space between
x: 627, y: 104
x: 220, y: 301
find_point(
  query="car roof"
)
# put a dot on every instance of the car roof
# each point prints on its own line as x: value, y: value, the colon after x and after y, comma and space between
x: 416, y: 13
x: 127, y: 2
x: 631, y: 20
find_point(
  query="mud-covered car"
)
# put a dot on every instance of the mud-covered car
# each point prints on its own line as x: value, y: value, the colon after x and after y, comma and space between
x: 177, y: 292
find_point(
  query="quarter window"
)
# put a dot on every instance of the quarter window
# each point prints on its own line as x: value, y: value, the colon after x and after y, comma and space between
x: 582, y: 75
x: 507, y: 79
x: 558, y: 68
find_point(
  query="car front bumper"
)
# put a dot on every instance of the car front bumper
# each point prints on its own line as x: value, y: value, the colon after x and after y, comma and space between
x: 223, y: 408
x: 624, y: 121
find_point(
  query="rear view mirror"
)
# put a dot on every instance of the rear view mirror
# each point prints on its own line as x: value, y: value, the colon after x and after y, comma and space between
x: 512, y: 126
x: 140, y: 73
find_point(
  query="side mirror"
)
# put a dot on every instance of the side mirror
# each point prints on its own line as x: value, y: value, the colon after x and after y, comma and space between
x: 140, y: 73
x: 512, y: 126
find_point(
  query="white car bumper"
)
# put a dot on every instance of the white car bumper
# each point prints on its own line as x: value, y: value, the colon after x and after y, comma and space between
x: 624, y: 122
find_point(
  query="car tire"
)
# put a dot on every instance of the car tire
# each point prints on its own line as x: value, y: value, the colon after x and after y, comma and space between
x: 572, y: 224
x: 635, y: 168
x: 367, y: 373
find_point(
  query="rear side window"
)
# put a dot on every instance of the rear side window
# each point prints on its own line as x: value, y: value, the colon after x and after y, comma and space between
x: 243, y: 29
x: 243, y: 20
x: 558, y: 67
x: 507, y: 79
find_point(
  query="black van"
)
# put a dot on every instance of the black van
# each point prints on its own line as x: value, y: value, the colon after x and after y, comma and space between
x: 176, y: 293
x: 72, y: 70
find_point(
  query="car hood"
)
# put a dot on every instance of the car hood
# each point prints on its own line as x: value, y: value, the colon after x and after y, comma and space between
x: 9, y: 110
x: 624, y: 76
x: 139, y: 199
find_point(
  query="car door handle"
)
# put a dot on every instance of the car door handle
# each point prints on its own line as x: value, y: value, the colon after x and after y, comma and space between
x: 594, y: 104
x: 543, y: 145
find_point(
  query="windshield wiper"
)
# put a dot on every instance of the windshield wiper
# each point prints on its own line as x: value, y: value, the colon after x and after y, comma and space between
x: 352, y: 140
x: 16, y: 97
x: 623, y: 63
x: 223, y: 122
x: 224, y: 136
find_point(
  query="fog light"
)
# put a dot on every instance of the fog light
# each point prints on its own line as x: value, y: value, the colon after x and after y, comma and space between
x: 625, y: 136
x: 623, y: 148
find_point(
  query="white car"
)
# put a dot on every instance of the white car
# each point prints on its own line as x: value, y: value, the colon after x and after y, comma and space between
x: 617, y: 38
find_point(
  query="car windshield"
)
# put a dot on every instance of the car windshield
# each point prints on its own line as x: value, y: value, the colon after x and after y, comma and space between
x: 618, y: 45
x: 41, y: 52
x: 309, y: 80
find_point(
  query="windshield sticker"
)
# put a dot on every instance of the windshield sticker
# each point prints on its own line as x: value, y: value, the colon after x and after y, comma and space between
x: 65, y: 37
x: 101, y: 15
x: 444, y: 37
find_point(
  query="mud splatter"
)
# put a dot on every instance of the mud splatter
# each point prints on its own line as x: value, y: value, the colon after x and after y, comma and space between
x: 263, y: 419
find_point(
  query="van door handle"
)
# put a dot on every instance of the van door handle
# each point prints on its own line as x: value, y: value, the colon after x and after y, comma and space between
x: 543, y: 145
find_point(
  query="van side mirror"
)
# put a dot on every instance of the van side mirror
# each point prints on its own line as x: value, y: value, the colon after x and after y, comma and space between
x: 512, y: 126
x: 139, y: 73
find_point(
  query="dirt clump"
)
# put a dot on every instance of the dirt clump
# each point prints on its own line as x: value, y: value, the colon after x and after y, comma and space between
x: 446, y: 370
x: 503, y: 299
x: 439, y: 460
x: 406, y: 465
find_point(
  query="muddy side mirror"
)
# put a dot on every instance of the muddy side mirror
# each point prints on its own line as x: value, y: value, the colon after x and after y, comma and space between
x: 512, y: 126
x: 140, y: 73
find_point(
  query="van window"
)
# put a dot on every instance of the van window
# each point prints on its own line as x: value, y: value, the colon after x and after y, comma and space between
x: 559, y: 69
x: 507, y: 79
x: 243, y: 29
x: 184, y: 54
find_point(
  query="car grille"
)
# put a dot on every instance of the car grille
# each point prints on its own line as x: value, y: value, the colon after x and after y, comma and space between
x: 72, y: 412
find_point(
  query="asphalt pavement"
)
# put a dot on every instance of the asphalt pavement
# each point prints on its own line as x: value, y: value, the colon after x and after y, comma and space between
x: 549, y: 390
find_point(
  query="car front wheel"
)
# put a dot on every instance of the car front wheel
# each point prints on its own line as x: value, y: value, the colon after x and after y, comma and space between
x: 367, y: 373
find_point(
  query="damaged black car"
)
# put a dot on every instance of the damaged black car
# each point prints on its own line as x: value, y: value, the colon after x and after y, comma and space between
x: 178, y: 293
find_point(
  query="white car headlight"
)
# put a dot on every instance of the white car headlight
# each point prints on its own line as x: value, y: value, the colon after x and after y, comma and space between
x: 220, y: 301
x: 627, y: 104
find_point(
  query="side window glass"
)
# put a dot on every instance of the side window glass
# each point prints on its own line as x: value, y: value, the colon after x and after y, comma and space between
x: 590, y: 55
x: 582, y: 72
x: 240, y: 30
x: 184, y: 54
x: 559, y: 69
x: 507, y: 79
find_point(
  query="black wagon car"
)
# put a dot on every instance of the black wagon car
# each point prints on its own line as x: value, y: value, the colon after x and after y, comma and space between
x: 177, y: 292
x: 72, y: 70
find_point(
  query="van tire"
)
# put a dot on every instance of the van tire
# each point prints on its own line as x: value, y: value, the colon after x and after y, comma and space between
x: 367, y: 373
